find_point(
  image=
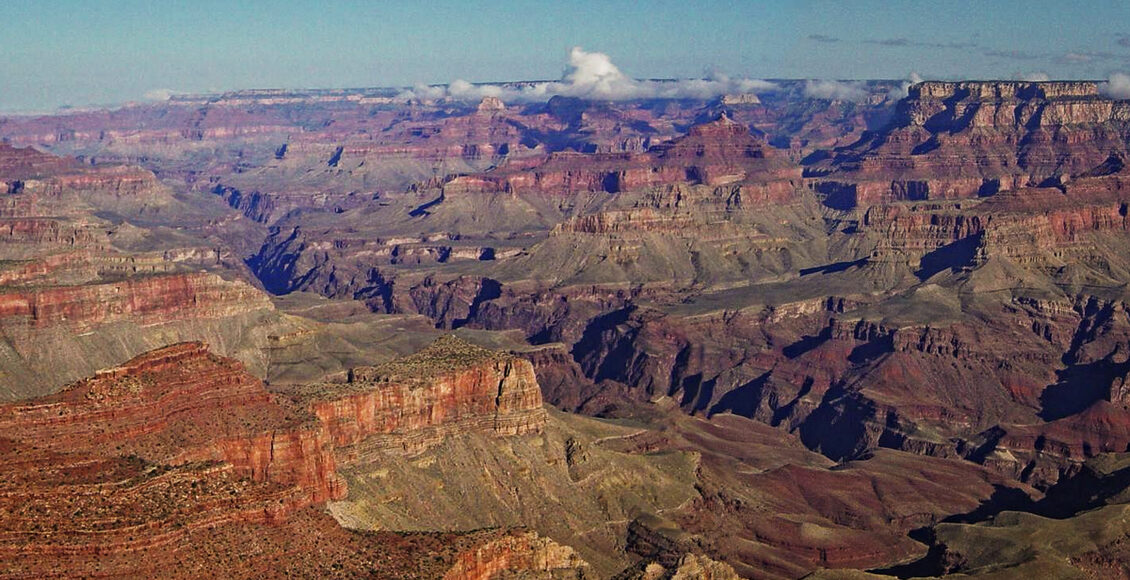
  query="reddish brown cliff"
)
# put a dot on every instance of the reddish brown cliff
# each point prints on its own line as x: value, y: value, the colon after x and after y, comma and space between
x: 179, y: 405
x: 714, y: 153
x: 414, y: 402
x: 515, y: 552
x: 144, y: 300
x: 181, y: 456
x: 969, y: 139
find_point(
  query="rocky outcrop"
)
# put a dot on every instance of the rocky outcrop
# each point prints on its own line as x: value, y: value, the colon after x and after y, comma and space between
x: 269, y: 206
x: 180, y: 446
x: 715, y: 153
x: 518, y: 555
x: 410, y: 404
x: 144, y: 300
x: 181, y: 405
x: 970, y: 139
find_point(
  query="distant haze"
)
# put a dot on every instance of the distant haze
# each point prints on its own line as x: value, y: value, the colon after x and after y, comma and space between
x: 71, y: 52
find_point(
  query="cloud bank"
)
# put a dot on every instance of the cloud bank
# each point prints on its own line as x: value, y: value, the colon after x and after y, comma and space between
x: 159, y: 94
x: 901, y: 91
x: 593, y: 75
x: 835, y: 90
x: 1117, y: 87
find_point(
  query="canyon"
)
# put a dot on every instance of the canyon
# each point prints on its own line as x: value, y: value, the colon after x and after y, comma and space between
x: 763, y: 336
x: 179, y: 447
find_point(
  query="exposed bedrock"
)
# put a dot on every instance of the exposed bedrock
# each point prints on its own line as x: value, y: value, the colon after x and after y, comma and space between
x: 179, y: 444
x: 414, y: 402
x: 974, y: 139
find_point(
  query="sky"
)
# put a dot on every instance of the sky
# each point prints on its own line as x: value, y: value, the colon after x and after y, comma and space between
x: 102, y: 52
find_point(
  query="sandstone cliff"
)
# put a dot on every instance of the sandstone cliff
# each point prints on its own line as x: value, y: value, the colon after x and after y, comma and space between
x: 970, y: 139
x: 181, y: 405
x: 412, y: 403
x: 180, y: 454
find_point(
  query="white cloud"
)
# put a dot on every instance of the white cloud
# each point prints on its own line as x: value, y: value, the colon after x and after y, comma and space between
x: 159, y: 94
x: 903, y: 89
x: 592, y: 75
x: 1035, y: 77
x: 1117, y: 87
x: 835, y: 90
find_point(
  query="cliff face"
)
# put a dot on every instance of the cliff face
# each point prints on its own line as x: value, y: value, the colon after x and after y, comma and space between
x: 415, y: 402
x: 48, y: 180
x: 181, y: 405
x: 102, y: 250
x: 714, y: 153
x: 144, y: 300
x: 970, y: 139
x: 519, y: 552
x: 181, y: 454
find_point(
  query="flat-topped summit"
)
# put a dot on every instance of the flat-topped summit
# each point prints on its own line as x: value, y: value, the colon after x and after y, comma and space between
x: 414, y: 402
x: 448, y: 354
x: 28, y: 162
x: 1004, y: 89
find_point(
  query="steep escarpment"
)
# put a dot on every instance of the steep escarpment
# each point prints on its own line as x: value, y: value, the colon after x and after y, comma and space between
x: 84, y: 287
x: 47, y: 182
x: 180, y: 455
x: 714, y: 153
x: 412, y: 403
x: 54, y: 334
x: 144, y: 300
x: 969, y: 139
x: 179, y: 405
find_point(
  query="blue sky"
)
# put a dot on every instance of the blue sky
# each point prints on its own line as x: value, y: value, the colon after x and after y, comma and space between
x: 72, y: 52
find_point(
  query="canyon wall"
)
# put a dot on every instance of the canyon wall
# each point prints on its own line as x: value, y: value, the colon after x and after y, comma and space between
x: 179, y: 446
x: 413, y: 403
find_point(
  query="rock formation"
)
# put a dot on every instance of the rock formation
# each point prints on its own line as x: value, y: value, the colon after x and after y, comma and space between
x: 527, y: 553
x: 182, y: 405
x: 413, y: 402
x: 714, y: 153
x: 970, y: 139
x: 828, y: 322
x: 180, y: 454
x: 69, y: 274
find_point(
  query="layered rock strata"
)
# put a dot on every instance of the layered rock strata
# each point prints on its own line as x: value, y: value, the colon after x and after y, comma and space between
x: 178, y: 452
x: 968, y: 139
x: 412, y: 403
x: 715, y: 153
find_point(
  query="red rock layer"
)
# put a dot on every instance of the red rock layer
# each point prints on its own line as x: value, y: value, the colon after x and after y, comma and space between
x: 715, y: 153
x: 179, y: 405
x: 30, y: 177
x: 144, y: 300
x: 23, y: 163
x: 126, y: 520
x: 180, y: 456
x: 521, y: 551
x: 1030, y: 226
x: 415, y: 402
x: 962, y: 140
